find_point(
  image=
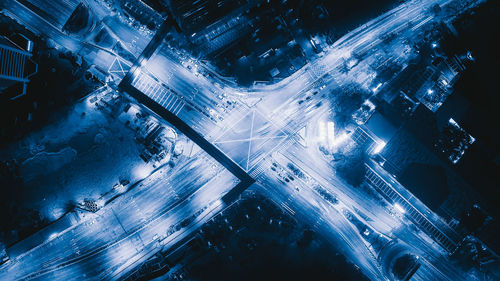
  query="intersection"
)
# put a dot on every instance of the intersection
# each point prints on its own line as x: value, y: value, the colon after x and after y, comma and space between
x: 251, y: 135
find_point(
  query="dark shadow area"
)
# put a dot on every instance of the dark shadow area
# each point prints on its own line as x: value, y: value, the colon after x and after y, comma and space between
x: 479, y: 85
x: 62, y: 78
x: 426, y: 182
x: 267, y: 244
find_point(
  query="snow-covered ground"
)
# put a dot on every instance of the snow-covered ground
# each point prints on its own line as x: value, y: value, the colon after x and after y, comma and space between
x: 81, y: 155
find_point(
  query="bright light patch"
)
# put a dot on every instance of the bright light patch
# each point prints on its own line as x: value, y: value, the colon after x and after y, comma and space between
x: 377, y: 87
x: 53, y: 235
x: 142, y: 171
x: 452, y: 122
x: 89, y: 101
x: 399, y: 208
x: 29, y: 48
x: 120, y: 188
x: 430, y: 91
x: 379, y: 147
x: 216, y: 204
x: 133, y: 110
x: 322, y: 130
x: 469, y: 56
x: 136, y: 72
x: 351, y: 62
x: 330, y: 129
x: 369, y: 104
x: 340, y: 139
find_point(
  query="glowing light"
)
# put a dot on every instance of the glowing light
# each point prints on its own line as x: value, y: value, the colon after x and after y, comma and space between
x: 452, y: 122
x: 379, y: 147
x: 377, y: 87
x: 216, y: 204
x: 430, y: 91
x: 100, y: 203
x: 469, y: 56
x: 340, y: 139
x: 133, y: 110
x: 90, y: 101
x: 53, y: 235
x: 29, y: 48
x: 434, y: 45
x: 399, y: 208
x: 142, y: 171
x: 136, y: 72
x: 330, y: 128
x: 322, y: 130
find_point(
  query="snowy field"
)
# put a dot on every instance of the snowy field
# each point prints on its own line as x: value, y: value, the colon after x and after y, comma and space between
x: 84, y: 154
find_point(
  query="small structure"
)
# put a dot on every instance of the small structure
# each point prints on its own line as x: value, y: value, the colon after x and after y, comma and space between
x: 16, y: 66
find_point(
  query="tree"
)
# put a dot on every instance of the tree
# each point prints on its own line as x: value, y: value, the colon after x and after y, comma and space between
x: 404, y: 266
x: 344, y: 103
x: 351, y: 166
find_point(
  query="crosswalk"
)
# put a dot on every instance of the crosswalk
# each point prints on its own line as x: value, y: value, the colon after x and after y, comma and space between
x: 12, y: 63
x: 258, y: 172
x: 260, y: 168
x: 159, y: 93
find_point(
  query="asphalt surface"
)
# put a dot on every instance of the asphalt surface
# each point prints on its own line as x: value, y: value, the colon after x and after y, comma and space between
x: 126, y: 228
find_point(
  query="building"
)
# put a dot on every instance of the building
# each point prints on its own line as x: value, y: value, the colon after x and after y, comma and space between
x: 16, y: 66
